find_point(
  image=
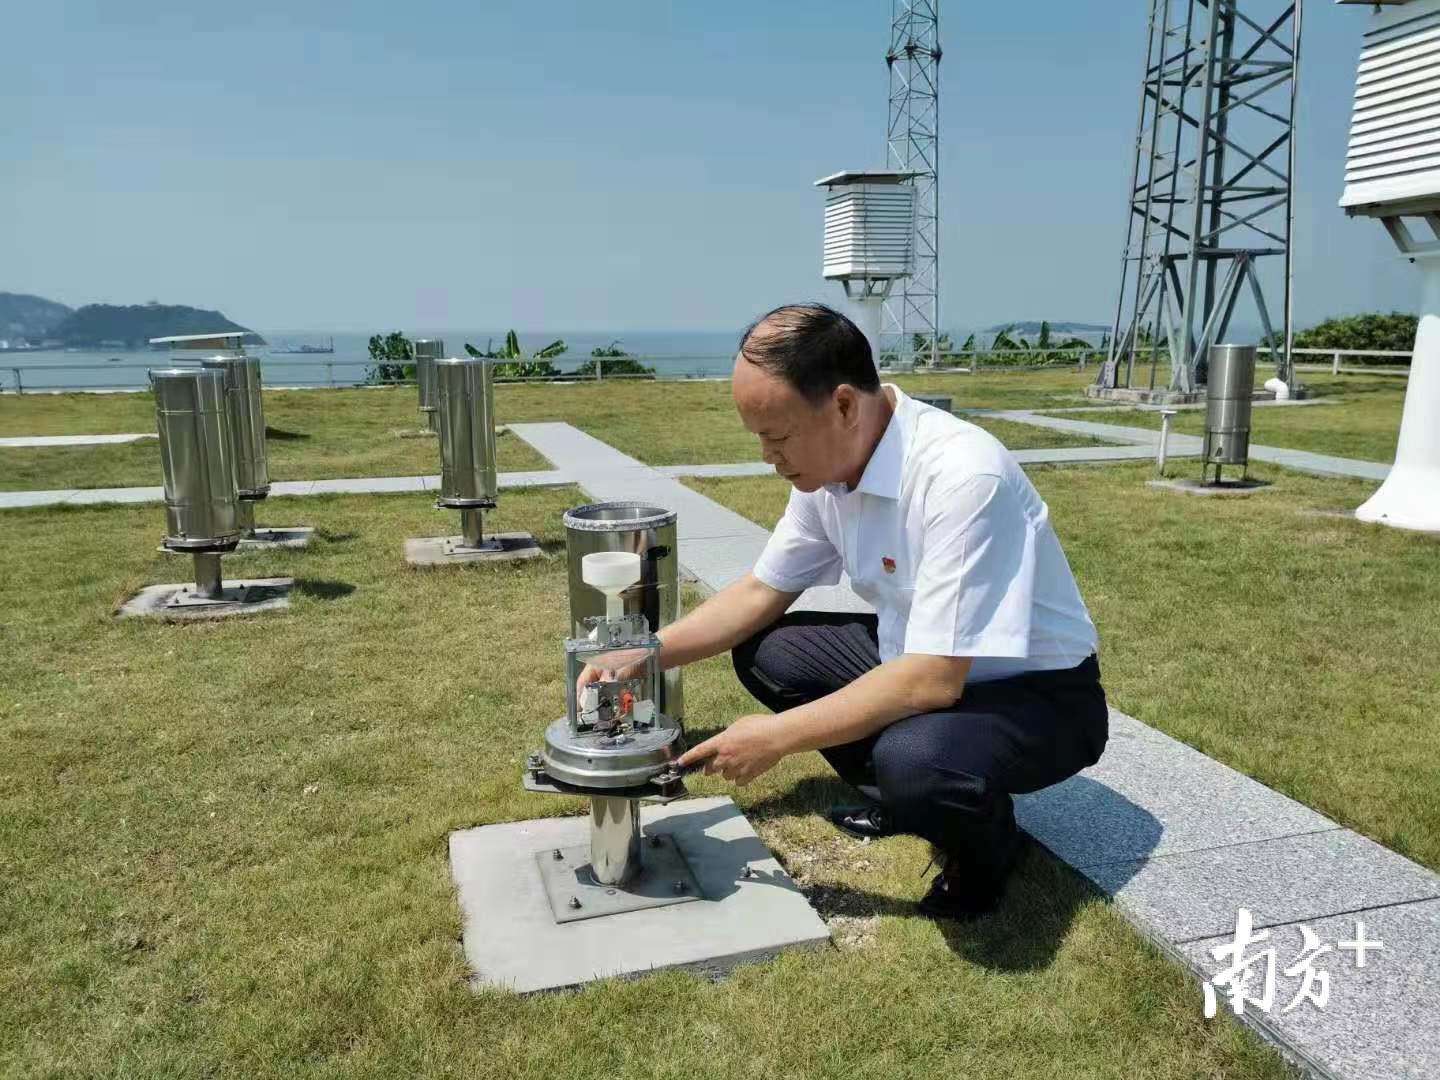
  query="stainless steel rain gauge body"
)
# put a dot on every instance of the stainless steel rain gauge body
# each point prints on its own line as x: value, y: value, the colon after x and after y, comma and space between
x: 246, y: 412
x: 1228, y: 405
x: 616, y: 745
x: 427, y: 351
x: 225, y: 353
x: 465, y: 404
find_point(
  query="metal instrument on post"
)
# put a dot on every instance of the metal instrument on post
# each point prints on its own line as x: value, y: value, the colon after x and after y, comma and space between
x: 202, y: 516
x: 427, y: 351
x: 465, y: 405
x: 1228, y: 405
x: 616, y: 743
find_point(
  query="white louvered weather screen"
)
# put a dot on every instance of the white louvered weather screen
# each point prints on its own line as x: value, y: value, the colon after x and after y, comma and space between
x: 1394, y: 153
x: 868, y: 230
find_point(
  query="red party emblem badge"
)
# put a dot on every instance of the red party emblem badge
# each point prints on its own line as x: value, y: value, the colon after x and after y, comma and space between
x: 888, y: 563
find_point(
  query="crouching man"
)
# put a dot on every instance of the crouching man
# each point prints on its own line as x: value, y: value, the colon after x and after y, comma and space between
x: 976, y: 677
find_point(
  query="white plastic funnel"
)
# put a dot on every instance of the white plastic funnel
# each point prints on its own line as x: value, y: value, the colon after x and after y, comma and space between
x: 612, y: 572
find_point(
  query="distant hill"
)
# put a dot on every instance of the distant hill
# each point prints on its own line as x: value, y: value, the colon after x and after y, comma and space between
x: 1026, y: 329
x: 31, y: 318
x: 97, y: 325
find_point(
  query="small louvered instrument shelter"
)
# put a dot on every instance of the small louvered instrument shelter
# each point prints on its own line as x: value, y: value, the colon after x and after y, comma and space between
x: 869, y: 225
x: 1394, y: 151
x: 1392, y: 172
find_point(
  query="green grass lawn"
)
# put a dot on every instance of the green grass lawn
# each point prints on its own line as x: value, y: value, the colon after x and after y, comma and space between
x: 318, y: 434
x: 1363, y: 421
x: 1297, y: 649
x: 223, y: 846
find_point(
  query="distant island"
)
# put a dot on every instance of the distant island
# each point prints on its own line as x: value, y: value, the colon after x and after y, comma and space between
x: 28, y: 322
x: 26, y: 319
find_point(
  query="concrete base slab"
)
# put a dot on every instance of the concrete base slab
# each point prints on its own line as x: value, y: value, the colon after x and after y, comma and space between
x: 512, y: 940
x: 1200, y: 487
x: 179, y: 603
x: 451, y: 550
x: 1132, y: 396
x: 266, y: 538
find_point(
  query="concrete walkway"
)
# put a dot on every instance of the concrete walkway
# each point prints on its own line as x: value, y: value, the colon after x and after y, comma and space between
x: 1190, y: 445
x: 12, y: 442
x: 1177, y: 840
x: 381, y: 485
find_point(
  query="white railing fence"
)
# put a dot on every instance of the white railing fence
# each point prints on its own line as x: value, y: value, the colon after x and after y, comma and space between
x: 120, y: 375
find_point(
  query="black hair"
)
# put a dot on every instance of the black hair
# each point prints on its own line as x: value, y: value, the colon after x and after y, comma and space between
x: 812, y: 347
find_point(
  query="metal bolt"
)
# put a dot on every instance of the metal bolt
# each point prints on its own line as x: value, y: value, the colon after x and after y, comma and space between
x: 655, y: 841
x: 557, y: 855
x: 679, y: 886
x: 748, y: 872
x: 574, y: 902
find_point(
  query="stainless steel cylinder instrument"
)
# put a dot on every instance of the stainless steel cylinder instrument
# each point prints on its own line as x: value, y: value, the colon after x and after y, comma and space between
x: 427, y: 351
x: 1228, y: 404
x: 198, y: 463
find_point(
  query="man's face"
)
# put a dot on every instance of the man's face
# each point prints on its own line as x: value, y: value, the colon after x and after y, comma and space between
x: 808, y: 445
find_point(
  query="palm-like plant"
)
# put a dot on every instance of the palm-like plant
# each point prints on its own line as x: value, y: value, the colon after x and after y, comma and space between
x: 518, y: 365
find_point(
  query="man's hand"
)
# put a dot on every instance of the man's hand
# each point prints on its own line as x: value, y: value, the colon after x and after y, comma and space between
x: 746, y: 749
x: 621, y: 664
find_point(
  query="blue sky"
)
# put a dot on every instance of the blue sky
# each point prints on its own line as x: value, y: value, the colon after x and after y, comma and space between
x: 620, y: 166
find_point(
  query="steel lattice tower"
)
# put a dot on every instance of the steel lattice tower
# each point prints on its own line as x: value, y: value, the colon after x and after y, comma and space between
x: 1210, y: 190
x: 913, y: 138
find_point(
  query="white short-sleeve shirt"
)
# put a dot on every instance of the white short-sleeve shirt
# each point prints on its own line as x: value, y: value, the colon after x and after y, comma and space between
x: 949, y: 541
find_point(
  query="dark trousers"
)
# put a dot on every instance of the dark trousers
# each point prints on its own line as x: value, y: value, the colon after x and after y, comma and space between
x: 947, y: 775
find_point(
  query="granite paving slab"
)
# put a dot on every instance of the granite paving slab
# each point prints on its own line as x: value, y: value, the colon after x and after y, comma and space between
x: 1380, y: 1022
x: 1195, y: 894
x: 1152, y: 795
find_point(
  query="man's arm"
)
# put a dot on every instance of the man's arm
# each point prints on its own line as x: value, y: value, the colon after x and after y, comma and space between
x: 910, y: 684
x: 723, y: 621
x: 906, y: 686
x: 716, y: 626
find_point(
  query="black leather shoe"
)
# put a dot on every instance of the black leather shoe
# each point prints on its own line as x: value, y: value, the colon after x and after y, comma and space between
x: 951, y: 898
x: 866, y: 822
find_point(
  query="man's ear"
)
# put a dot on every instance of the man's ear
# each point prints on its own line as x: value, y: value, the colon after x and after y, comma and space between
x: 847, y: 400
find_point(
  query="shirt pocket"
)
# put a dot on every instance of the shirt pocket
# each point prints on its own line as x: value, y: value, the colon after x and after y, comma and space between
x: 893, y: 611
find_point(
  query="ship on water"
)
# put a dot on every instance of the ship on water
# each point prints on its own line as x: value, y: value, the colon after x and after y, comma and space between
x: 307, y: 350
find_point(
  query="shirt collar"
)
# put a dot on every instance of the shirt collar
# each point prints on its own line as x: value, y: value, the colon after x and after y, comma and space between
x: 883, y: 471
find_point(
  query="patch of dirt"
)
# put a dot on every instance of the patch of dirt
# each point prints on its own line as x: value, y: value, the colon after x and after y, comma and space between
x: 853, y: 917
